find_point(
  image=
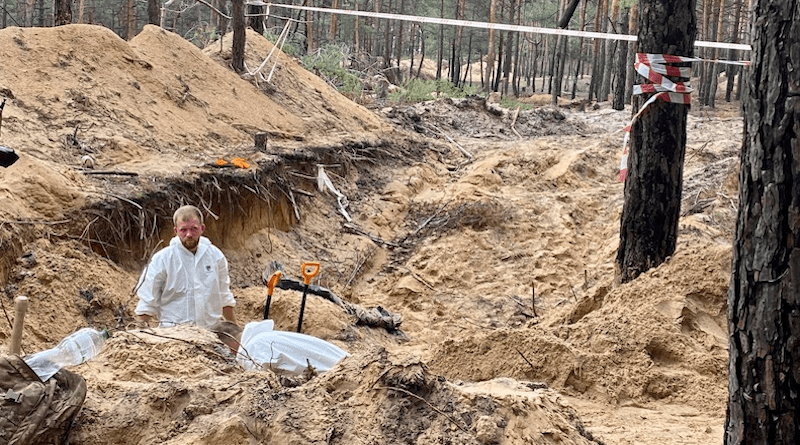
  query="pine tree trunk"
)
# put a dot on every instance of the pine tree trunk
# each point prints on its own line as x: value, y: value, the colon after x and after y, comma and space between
x: 459, y: 37
x: 441, y: 45
x: 732, y: 70
x: 153, y: 12
x: 334, y: 22
x: 509, y: 49
x: 633, y: 48
x: 63, y: 12
x: 605, y: 85
x: 622, y: 71
x: 764, y: 295
x: 595, y: 80
x: 580, y: 51
x: 649, y: 225
x: 237, y: 50
x: 713, y: 80
x: 130, y: 19
x: 490, y: 54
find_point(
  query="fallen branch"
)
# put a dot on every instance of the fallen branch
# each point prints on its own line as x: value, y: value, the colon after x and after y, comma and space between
x: 514, y: 121
x: 375, y: 317
x: 108, y: 172
x: 355, y: 229
x: 463, y: 150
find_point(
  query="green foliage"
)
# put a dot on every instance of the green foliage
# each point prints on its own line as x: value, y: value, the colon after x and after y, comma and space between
x: 291, y: 49
x: 512, y: 103
x: 329, y: 62
x: 201, y: 35
x: 416, y: 90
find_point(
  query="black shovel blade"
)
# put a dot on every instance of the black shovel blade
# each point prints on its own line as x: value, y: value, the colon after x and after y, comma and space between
x: 7, y: 156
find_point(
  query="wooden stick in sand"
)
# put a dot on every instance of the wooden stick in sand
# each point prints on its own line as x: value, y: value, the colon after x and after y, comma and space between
x: 20, y: 307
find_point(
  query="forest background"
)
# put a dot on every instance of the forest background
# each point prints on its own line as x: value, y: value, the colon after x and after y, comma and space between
x: 351, y: 51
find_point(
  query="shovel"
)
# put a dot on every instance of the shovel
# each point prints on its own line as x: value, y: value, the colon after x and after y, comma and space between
x: 273, y: 280
x: 309, y: 271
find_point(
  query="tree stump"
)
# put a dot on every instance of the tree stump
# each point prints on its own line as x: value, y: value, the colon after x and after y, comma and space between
x: 261, y: 142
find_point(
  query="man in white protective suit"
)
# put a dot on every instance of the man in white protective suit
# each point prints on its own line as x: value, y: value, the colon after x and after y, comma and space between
x: 188, y: 281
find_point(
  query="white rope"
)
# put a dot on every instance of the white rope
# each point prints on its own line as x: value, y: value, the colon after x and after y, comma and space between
x: 501, y: 26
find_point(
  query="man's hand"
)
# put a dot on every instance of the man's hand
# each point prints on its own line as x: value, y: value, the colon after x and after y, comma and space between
x: 143, y: 321
x: 227, y: 314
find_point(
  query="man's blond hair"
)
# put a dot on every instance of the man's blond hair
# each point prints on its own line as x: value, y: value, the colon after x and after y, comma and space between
x: 186, y: 213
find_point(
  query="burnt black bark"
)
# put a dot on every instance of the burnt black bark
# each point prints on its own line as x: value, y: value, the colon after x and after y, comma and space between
x: 764, y: 296
x: 622, y: 70
x: 649, y: 223
x: 63, y: 12
x: 153, y: 12
x: 237, y: 50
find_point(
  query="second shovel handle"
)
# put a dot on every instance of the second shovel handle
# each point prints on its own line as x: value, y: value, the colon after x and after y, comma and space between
x: 309, y: 271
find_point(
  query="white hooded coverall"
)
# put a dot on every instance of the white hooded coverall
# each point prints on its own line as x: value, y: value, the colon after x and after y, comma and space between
x: 181, y: 287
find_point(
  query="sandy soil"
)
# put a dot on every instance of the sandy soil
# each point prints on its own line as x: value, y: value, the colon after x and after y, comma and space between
x: 491, y: 233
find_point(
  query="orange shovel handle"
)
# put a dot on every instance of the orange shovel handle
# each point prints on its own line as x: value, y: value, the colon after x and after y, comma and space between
x: 309, y: 270
x: 273, y: 280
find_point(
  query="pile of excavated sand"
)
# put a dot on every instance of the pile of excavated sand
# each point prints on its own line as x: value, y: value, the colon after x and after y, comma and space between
x: 501, y: 264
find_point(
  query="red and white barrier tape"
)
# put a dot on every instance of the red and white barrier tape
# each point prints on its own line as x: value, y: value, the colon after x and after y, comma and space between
x: 654, y: 67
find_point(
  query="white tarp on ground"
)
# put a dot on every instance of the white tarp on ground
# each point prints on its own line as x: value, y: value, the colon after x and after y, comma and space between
x: 284, y: 352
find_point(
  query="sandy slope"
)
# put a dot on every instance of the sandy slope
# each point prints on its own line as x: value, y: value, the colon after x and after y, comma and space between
x: 458, y: 245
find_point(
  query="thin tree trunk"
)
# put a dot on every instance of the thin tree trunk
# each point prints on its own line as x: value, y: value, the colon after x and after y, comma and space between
x: 130, y: 19
x: 712, y: 93
x: 633, y: 49
x: 334, y: 22
x: 490, y: 54
x: 764, y: 294
x: 509, y: 49
x: 63, y: 12
x: 580, y: 51
x: 153, y: 12
x: 237, y: 47
x: 422, y: 50
x: 710, y: 10
x: 459, y: 39
x: 602, y: 94
x: 595, y: 80
x: 622, y: 57
x: 498, y: 77
x: 441, y: 45
x: 356, y: 37
x: 732, y: 70
x: 605, y: 86
x: 649, y: 224
x: 387, y: 48
x: 469, y: 61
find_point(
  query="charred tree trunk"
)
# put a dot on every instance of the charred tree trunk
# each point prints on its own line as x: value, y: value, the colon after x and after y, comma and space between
x: 490, y: 55
x: 594, y: 82
x: 622, y: 58
x: 237, y: 50
x: 633, y: 49
x: 441, y: 45
x: 764, y: 296
x: 732, y: 70
x: 153, y: 12
x: 63, y: 11
x: 256, y: 19
x: 649, y: 223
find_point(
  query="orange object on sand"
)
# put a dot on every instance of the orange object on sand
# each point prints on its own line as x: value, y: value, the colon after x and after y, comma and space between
x: 239, y: 162
x: 221, y: 162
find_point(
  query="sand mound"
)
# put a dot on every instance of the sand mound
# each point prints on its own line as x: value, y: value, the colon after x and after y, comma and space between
x: 500, y: 263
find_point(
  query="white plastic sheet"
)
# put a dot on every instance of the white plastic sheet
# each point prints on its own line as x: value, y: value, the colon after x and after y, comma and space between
x: 284, y: 352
